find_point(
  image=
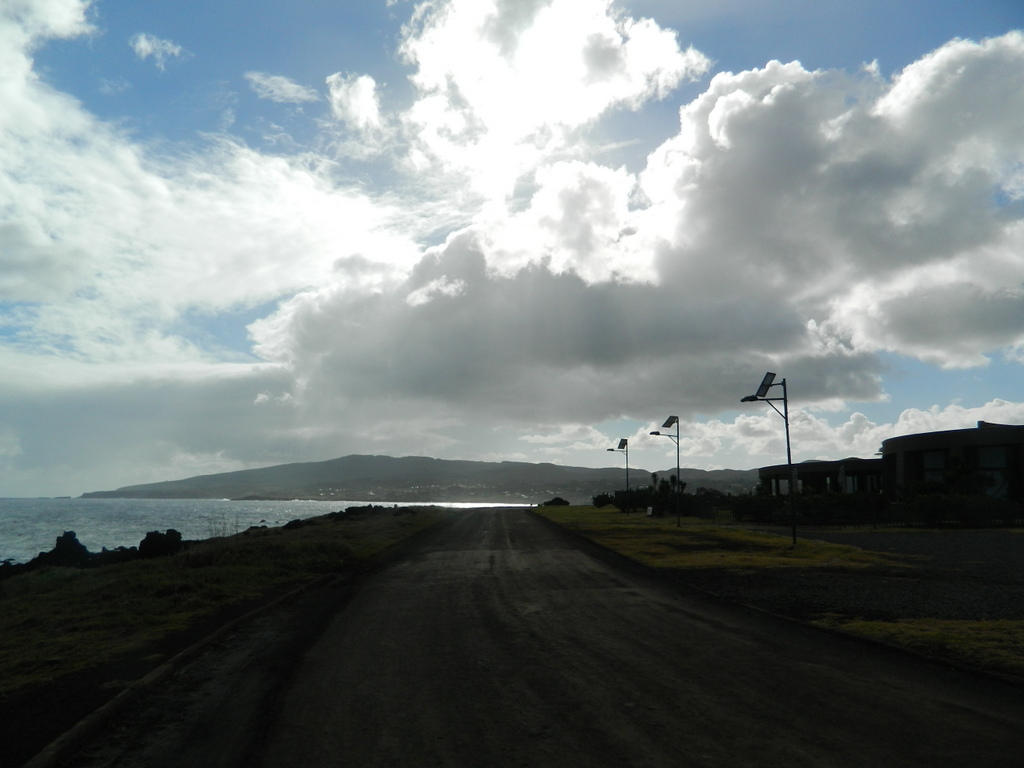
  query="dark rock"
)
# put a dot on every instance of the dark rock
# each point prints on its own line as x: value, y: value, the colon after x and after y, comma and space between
x: 114, y: 556
x: 158, y: 544
x: 68, y: 552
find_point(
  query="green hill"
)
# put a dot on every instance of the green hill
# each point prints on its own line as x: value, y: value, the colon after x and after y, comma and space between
x: 417, y: 478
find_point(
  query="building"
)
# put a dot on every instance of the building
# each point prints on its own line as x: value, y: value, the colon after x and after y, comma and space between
x: 987, y: 459
x: 844, y: 476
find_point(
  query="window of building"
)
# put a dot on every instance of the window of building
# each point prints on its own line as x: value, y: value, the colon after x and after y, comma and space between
x: 992, y: 462
x: 933, y: 463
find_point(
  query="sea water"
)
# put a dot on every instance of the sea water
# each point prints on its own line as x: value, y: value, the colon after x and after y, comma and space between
x: 31, y: 526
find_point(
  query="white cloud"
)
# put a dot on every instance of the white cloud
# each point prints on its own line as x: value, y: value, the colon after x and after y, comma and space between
x: 354, y: 100
x: 803, y: 191
x: 504, y: 84
x: 279, y: 88
x: 106, y: 244
x: 113, y: 87
x: 146, y: 46
x: 45, y: 18
x: 579, y: 219
x: 440, y: 287
x: 572, y: 436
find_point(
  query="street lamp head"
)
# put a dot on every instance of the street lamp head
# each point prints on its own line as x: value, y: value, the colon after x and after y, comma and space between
x: 749, y: 399
x: 655, y: 432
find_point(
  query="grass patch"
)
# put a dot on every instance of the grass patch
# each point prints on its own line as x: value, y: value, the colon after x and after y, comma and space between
x: 694, y: 544
x: 995, y: 646
x: 56, y: 621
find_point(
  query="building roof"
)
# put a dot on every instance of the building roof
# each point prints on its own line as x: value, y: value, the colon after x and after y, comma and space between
x: 985, y: 433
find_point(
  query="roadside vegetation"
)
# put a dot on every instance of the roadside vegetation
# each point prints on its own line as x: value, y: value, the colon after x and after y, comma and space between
x: 692, y: 546
x: 57, y: 620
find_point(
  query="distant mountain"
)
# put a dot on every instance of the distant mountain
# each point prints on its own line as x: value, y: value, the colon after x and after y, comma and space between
x: 416, y: 478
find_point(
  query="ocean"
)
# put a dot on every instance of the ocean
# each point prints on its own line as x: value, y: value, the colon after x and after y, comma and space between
x: 31, y: 526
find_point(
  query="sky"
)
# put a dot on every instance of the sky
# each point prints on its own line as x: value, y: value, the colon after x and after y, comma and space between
x: 235, y: 235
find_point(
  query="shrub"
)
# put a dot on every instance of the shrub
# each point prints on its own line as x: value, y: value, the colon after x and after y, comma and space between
x: 558, y: 501
x: 758, y: 509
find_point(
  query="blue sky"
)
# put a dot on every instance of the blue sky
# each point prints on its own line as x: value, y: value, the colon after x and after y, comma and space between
x: 242, y: 234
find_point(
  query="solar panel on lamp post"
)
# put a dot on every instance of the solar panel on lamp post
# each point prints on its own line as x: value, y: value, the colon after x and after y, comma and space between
x: 762, y: 395
x: 673, y: 420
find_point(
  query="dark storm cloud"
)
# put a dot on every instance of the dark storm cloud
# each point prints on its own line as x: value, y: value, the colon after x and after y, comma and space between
x: 539, y: 343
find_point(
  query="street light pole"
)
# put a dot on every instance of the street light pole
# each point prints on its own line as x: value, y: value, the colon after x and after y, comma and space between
x: 675, y: 438
x: 761, y: 395
x: 624, y: 448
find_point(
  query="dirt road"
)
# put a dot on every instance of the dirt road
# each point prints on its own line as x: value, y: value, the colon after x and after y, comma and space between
x: 501, y: 641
